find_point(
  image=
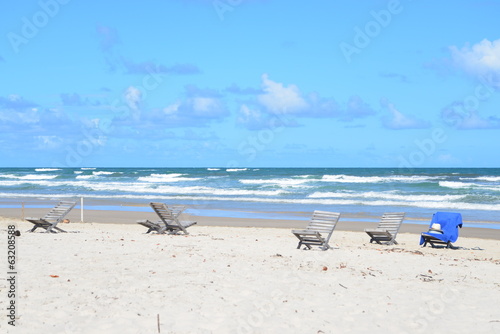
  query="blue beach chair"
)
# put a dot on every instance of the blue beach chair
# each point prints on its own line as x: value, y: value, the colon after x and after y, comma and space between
x: 443, y: 229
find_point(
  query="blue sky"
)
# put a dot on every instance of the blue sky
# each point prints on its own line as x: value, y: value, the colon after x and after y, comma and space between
x: 234, y: 83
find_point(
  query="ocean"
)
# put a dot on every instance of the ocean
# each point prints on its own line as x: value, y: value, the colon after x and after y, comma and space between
x: 276, y: 193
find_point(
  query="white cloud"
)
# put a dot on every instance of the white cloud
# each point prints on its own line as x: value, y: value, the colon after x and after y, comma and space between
x: 481, y: 59
x: 288, y: 100
x: 255, y: 119
x: 322, y: 107
x: 474, y: 121
x: 282, y: 104
x: 14, y: 97
x: 247, y: 114
x: 204, y: 104
x: 357, y: 108
x: 25, y: 117
x: 280, y: 99
x: 49, y: 142
x: 399, y: 121
x: 456, y: 115
x: 195, y: 110
x: 133, y: 97
x: 251, y: 118
x: 172, y: 109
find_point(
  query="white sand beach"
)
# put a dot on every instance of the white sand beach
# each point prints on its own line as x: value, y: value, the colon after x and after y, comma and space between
x: 114, y: 278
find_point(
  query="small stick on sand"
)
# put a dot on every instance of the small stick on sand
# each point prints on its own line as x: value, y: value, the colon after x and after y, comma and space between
x: 158, y: 321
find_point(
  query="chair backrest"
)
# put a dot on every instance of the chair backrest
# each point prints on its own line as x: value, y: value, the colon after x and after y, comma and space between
x: 323, y: 221
x: 167, y: 212
x: 176, y: 210
x: 163, y: 212
x: 59, y: 211
x: 391, y: 222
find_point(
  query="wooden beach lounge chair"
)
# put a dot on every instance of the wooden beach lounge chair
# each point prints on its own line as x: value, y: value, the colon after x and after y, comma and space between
x: 50, y: 220
x: 319, y: 230
x: 152, y: 227
x: 387, y: 229
x: 169, y: 219
x: 443, y: 230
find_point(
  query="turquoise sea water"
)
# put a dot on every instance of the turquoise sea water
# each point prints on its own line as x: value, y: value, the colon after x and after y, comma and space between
x: 266, y: 192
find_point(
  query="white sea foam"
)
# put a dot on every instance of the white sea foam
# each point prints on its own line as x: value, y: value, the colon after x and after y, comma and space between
x: 8, y: 176
x: 86, y: 177
x: 352, y: 179
x: 488, y: 178
x: 235, y: 169
x: 55, y: 196
x: 160, y: 178
x: 33, y: 177
x: 213, y: 168
x: 9, y: 183
x: 46, y: 169
x: 387, y: 196
x: 166, y: 189
x: 455, y: 185
x: 88, y: 168
x: 39, y: 182
x: 468, y: 185
x: 341, y: 178
x: 240, y: 192
x: 440, y: 191
x: 278, y: 182
x: 102, y: 173
x: 437, y: 205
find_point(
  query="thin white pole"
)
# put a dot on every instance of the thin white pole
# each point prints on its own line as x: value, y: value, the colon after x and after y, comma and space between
x: 81, y: 209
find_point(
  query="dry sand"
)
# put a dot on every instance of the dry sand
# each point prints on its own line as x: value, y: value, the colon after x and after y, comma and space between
x: 114, y: 278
